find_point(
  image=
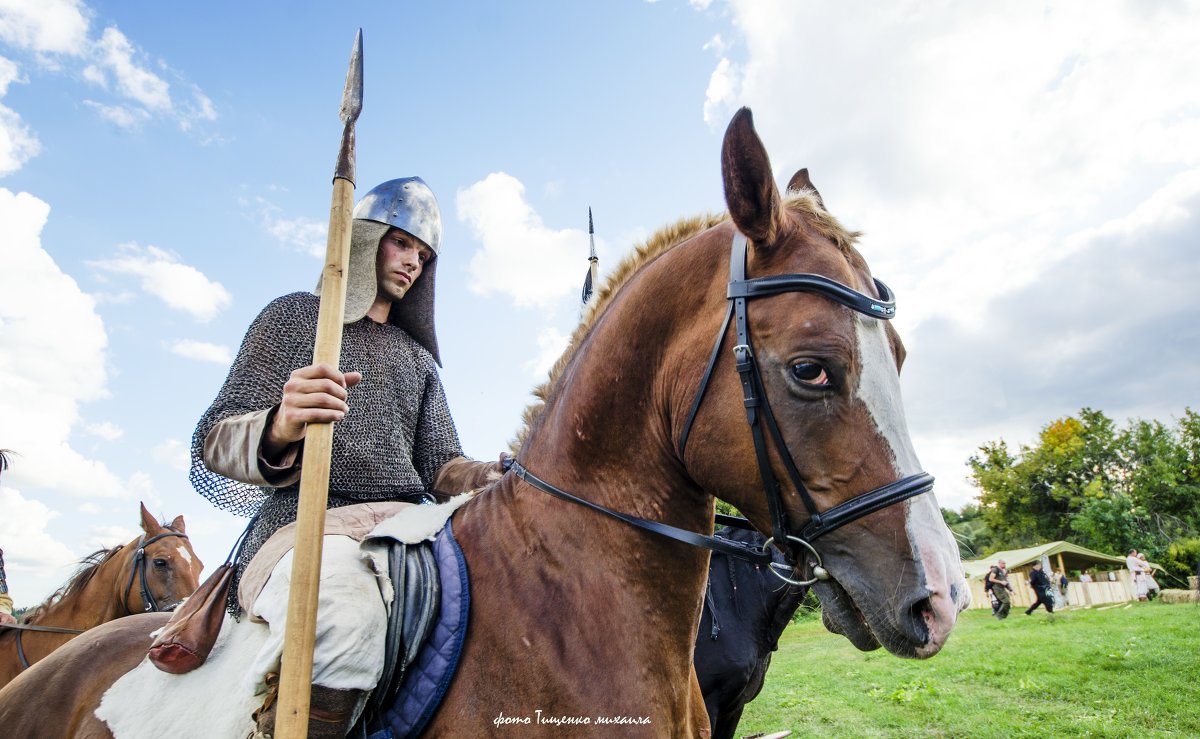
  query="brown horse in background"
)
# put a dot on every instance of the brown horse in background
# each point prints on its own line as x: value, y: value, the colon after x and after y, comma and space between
x: 151, y: 573
x: 576, y: 618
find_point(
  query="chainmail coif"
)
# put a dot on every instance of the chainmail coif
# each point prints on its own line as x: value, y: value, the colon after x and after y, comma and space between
x: 396, y: 436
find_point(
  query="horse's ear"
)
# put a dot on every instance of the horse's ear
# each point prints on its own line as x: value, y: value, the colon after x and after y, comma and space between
x: 150, y: 524
x: 177, y: 524
x: 801, y: 183
x: 750, y: 192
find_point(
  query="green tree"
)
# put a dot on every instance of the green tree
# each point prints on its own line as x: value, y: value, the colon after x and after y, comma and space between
x: 975, y: 538
x: 1087, y: 481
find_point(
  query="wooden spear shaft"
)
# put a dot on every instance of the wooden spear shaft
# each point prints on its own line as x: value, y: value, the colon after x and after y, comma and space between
x: 295, y: 683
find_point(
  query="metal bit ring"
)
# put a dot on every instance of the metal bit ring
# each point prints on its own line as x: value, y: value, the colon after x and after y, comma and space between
x: 818, y: 570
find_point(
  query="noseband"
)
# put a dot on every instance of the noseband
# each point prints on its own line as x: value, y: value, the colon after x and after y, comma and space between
x: 759, y: 415
x: 139, y: 571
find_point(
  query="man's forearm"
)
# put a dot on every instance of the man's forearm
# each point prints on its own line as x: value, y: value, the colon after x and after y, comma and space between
x: 234, y: 448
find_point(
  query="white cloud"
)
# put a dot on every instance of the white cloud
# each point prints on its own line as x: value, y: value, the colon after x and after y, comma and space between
x: 140, y: 486
x: 551, y: 344
x: 47, y: 26
x: 201, y: 351
x: 299, y: 234
x: 116, y: 54
x: 53, y: 358
x: 179, y: 285
x: 55, y: 31
x: 119, y: 115
x: 717, y: 44
x: 200, y: 108
x: 17, y: 143
x: 30, y: 552
x: 174, y: 454
x: 109, y: 536
x: 9, y: 73
x: 106, y: 430
x: 723, y: 90
x: 93, y: 74
x: 518, y: 249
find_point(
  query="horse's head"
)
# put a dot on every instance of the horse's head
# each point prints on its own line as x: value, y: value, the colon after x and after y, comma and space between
x: 827, y: 373
x: 163, y: 569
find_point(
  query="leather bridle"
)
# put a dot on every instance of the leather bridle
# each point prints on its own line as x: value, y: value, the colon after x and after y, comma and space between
x: 763, y: 427
x: 139, y: 572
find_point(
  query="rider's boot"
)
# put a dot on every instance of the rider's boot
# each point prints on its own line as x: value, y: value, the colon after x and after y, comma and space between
x: 331, y: 712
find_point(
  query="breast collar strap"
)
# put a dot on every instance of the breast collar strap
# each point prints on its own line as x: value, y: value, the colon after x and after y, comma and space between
x: 759, y: 416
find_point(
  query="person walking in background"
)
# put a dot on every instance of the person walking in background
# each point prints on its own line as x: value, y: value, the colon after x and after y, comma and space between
x: 987, y: 589
x: 997, y: 577
x: 1040, y: 583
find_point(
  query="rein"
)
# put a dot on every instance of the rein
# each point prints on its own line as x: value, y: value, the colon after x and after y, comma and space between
x: 758, y: 416
x: 139, y: 568
x: 18, y: 628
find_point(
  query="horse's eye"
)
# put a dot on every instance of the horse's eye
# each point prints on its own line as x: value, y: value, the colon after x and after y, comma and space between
x: 810, y: 373
x: 161, y: 563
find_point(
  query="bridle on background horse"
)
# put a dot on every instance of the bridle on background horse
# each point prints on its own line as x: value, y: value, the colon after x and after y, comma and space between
x: 139, y: 571
x: 139, y: 568
x: 759, y: 415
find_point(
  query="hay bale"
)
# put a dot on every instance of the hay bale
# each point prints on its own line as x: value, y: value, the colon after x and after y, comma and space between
x: 1193, y: 582
x: 1179, y: 596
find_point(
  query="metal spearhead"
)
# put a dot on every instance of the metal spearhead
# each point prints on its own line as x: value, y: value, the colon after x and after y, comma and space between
x: 352, y: 97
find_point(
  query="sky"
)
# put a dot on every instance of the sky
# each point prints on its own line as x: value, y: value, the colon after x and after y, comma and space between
x: 1027, y: 178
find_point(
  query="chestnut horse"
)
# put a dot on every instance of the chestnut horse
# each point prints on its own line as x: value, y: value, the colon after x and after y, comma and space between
x: 151, y: 573
x: 579, y: 618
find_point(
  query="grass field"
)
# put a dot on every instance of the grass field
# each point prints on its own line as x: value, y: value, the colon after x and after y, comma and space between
x: 1119, y: 672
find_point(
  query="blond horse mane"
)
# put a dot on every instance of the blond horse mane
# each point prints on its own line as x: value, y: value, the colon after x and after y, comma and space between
x: 806, y: 203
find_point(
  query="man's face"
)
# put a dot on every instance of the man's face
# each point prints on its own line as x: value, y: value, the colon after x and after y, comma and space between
x: 399, y: 262
x: 1003, y: 565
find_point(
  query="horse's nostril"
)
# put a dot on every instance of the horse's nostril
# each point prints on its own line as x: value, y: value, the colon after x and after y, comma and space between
x: 916, y: 625
x: 955, y: 589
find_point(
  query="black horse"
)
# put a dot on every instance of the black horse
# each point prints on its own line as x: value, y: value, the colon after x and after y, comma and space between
x: 745, y: 610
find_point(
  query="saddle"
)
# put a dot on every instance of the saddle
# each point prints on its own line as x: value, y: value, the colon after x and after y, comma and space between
x: 417, y: 588
x: 187, y: 640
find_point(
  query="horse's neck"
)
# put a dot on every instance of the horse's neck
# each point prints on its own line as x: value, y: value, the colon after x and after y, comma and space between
x: 605, y: 435
x: 96, y: 602
x: 558, y: 560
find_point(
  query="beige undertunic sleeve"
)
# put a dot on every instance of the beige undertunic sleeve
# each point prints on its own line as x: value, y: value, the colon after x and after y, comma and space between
x: 234, y: 449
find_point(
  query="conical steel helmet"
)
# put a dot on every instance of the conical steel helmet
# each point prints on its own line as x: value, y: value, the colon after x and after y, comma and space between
x: 407, y: 204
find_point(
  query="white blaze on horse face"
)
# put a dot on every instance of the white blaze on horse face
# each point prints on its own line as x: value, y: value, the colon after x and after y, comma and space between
x: 183, y: 552
x: 879, y: 390
x: 934, y: 549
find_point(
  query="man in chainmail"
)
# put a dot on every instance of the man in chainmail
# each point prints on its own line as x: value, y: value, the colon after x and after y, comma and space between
x: 394, y: 439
